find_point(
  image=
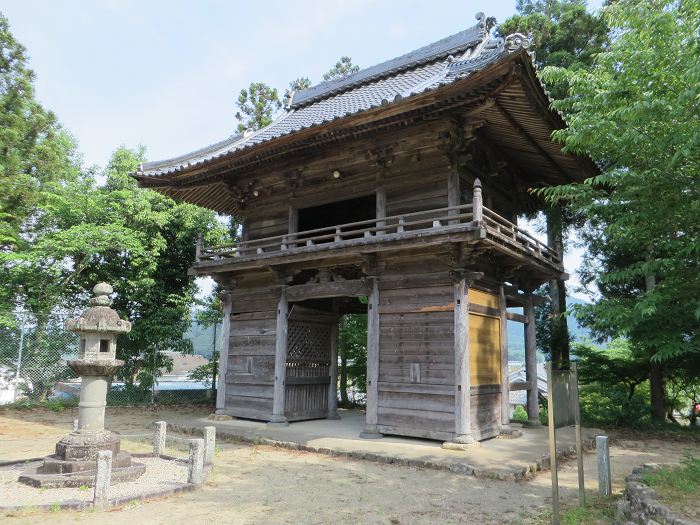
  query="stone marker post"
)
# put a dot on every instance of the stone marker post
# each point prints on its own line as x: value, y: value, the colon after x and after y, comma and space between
x: 159, y: 429
x: 209, y: 444
x: 604, y: 480
x: 103, y: 475
x: 195, y: 469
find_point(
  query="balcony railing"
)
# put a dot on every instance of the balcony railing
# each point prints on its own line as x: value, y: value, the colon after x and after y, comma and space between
x: 454, y: 219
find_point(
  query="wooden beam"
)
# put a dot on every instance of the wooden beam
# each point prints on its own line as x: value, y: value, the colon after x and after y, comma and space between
x: 278, y: 396
x: 512, y: 316
x: 349, y: 288
x: 505, y: 382
x: 519, y: 385
x: 223, y: 354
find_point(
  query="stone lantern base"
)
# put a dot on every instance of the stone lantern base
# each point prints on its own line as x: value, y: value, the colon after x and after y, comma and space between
x: 74, y: 463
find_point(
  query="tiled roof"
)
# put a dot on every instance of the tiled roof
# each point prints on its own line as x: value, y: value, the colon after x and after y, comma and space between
x: 427, y: 68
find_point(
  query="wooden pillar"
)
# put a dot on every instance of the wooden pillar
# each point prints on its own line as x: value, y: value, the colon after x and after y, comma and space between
x: 477, y: 202
x: 333, y: 387
x: 453, y: 194
x: 462, y: 372
x: 533, y: 407
x: 278, y: 396
x: 293, y: 225
x: 381, y: 209
x: 371, y: 431
x: 505, y: 382
x: 223, y: 354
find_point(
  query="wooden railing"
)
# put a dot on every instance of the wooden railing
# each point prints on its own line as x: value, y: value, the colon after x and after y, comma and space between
x: 467, y: 217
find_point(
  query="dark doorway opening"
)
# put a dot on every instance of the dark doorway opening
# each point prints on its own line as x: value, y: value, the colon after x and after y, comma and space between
x: 337, y: 213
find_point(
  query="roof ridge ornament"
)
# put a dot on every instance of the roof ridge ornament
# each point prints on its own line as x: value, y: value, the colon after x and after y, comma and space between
x: 516, y: 41
x: 481, y: 19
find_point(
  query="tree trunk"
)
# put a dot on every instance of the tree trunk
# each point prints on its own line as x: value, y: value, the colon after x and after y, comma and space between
x: 343, y: 353
x: 658, y: 392
x: 559, y: 333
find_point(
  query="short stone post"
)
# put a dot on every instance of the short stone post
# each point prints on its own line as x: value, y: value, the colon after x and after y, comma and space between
x: 103, y: 475
x: 195, y: 468
x: 604, y: 480
x: 159, y: 429
x: 209, y: 444
x: 75, y: 425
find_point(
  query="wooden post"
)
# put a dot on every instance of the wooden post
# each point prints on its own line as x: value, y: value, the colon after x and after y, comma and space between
x: 477, y: 204
x: 371, y: 431
x: 453, y: 194
x: 278, y: 396
x: 461, y: 350
x: 333, y: 387
x: 381, y: 209
x: 505, y: 382
x: 293, y: 225
x: 533, y: 407
x: 576, y: 408
x: 551, y: 427
x: 223, y: 354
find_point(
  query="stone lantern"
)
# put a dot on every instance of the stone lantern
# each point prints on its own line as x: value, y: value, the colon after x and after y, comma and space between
x: 73, y: 464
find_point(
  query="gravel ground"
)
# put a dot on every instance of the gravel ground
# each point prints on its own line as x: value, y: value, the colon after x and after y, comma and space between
x: 160, y: 475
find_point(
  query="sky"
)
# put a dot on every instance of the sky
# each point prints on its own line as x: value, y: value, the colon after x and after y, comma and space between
x: 166, y: 74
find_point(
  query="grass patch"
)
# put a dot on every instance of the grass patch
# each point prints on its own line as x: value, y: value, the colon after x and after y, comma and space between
x: 55, y: 405
x: 679, y: 486
x: 598, y: 511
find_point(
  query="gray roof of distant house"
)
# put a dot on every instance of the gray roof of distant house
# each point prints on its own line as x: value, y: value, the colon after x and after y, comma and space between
x: 424, y: 69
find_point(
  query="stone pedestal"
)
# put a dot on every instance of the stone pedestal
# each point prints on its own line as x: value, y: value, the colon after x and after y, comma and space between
x: 74, y: 462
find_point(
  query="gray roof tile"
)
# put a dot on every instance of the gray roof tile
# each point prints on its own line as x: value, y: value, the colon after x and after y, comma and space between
x: 422, y: 70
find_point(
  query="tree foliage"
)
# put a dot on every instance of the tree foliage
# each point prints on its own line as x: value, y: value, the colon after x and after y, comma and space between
x: 257, y: 106
x: 636, y: 112
x: 342, y: 68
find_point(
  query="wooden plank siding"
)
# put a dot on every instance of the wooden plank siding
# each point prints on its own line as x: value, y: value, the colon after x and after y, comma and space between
x: 416, y: 372
x: 251, y: 353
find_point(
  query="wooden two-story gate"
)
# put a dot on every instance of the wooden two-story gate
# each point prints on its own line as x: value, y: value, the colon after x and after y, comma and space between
x: 401, y: 183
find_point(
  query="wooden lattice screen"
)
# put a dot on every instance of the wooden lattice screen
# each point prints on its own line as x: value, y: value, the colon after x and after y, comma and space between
x: 308, y: 370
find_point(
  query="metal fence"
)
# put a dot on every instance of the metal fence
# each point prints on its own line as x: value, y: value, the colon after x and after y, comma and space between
x: 34, y: 350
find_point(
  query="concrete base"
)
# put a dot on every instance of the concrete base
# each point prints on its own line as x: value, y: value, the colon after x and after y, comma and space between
x: 496, y: 458
x: 36, y: 477
x: 452, y: 445
x: 220, y: 417
x: 80, y: 445
x: 278, y: 424
x: 333, y: 416
x: 55, y: 465
x: 371, y: 432
x: 532, y: 423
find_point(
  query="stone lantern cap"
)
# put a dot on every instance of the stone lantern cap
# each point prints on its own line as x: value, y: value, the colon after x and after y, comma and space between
x: 99, y: 318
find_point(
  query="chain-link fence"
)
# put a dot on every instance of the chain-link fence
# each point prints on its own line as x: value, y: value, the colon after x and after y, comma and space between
x: 34, y: 350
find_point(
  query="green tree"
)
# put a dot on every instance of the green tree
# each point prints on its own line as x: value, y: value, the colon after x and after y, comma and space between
x: 36, y: 157
x: 209, y: 315
x: 352, y: 351
x: 342, y: 68
x: 257, y: 106
x: 298, y: 84
x: 636, y: 112
x: 564, y: 34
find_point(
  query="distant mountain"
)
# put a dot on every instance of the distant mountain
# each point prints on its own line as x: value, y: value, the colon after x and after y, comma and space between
x: 516, y: 333
x: 203, y: 338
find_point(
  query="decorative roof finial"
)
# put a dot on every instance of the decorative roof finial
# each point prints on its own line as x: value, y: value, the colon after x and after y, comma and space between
x: 481, y: 17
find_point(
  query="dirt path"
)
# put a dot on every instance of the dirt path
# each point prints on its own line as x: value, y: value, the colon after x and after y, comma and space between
x: 265, y: 485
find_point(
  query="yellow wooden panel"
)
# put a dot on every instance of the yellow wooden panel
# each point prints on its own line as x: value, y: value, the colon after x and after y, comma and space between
x: 483, y: 298
x: 484, y: 349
